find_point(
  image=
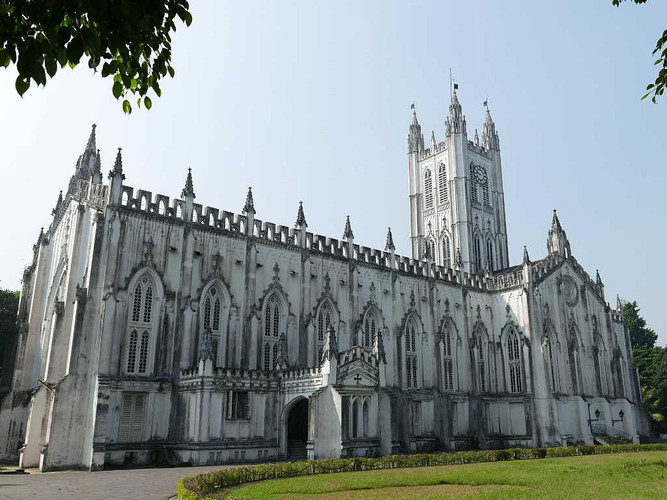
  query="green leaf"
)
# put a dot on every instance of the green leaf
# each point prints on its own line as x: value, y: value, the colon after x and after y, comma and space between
x: 51, y: 66
x: 127, y: 107
x: 75, y: 50
x: 117, y: 89
x: 4, y: 58
x: 147, y: 102
x: 22, y: 85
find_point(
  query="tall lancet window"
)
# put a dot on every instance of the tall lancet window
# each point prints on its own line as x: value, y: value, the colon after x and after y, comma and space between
x: 428, y: 190
x: 212, y: 307
x: 411, y: 354
x: 477, y: 253
x: 272, y: 317
x: 324, y: 316
x: 473, y: 190
x: 140, y: 328
x: 481, y: 361
x: 448, y: 361
x: 514, y: 361
x: 442, y: 183
x: 485, y: 192
x: 489, y: 253
x: 370, y: 330
x: 446, y: 252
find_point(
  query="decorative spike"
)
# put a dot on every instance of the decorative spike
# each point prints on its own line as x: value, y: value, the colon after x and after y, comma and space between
x: 526, y: 258
x: 249, y: 203
x: 476, y: 138
x: 189, y: 189
x: 347, y: 233
x: 58, y: 203
x: 300, y: 217
x: 598, y: 279
x: 97, y: 170
x: 389, y: 245
x: 619, y: 303
x: 91, y: 146
x: 555, y: 222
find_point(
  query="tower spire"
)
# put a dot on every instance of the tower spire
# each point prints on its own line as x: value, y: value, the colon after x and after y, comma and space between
x: 189, y: 189
x: 91, y: 145
x: 415, y: 137
x: 301, y: 217
x: 557, y: 241
x: 249, y: 203
x: 455, y: 123
x: 348, y: 234
x: 389, y: 245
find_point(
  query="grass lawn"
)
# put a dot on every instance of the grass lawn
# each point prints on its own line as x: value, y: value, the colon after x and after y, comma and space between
x: 622, y: 475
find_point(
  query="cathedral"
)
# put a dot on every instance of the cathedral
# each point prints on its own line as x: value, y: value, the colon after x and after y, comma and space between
x: 158, y: 330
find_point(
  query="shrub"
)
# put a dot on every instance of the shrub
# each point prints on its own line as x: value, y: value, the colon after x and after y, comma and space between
x: 204, y: 486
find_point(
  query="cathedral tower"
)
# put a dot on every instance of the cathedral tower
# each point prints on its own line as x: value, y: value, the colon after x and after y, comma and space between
x: 457, y: 202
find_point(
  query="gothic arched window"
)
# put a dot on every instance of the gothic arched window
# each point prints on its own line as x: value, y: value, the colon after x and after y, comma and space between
x: 552, y: 361
x: 446, y: 252
x: 482, y: 374
x: 448, y: 361
x: 428, y: 190
x: 371, y: 325
x: 514, y: 361
x: 324, y: 316
x: 477, y: 253
x: 411, y: 353
x: 211, y: 318
x: 485, y: 193
x: 489, y: 253
x: 272, y: 317
x: 365, y: 412
x: 140, y: 328
x: 442, y: 183
x: 473, y: 190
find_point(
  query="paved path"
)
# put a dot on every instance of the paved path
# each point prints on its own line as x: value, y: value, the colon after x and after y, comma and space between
x: 142, y: 484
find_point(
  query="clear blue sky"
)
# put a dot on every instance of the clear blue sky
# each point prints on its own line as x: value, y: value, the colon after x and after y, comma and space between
x: 311, y: 101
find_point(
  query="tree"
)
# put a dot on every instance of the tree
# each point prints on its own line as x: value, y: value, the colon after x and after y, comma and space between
x: 9, y: 304
x: 130, y: 39
x: 656, y: 88
x: 640, y: 334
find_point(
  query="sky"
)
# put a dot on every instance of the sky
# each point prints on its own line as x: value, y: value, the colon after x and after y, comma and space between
x: 310, y: 100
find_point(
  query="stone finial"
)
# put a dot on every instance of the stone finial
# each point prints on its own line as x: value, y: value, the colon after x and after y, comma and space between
x: 97, y: 169
x: 619, y: 303
x: 59, y: 202
x: 598, y: 279
x: 476, y: 138
x: 555, y: 222
x: 91, y: 145
x: 433, y: 143
x: 189, y: 189
x: 526, y: 258
x: 389, y: 245
x: 347, y: 233
x: 415, y: 137
x: 118, y: 165
x: 300, y: 217
x: 249, y: 203
x: 489, y: 131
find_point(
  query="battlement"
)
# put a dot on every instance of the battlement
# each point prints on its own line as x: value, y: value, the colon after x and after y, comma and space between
x: 477, y: 148
x: 441, y: 146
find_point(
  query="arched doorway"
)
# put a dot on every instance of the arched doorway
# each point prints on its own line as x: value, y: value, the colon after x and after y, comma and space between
x: 297, y: 431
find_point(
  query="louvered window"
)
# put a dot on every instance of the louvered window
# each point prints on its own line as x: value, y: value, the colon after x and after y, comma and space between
x: 448, y: 362
x: 489, y: 253
x: 485, y: 193
x: 140, y: 328
x: 442, y: 183
x: 132, y: 417
x: 473, y: 190
x: 477, y: 253
x: 446, y: 253
x: 272, y: 316
x: 428, y: 190
x: 238, y: 405
x: 370, y: 330
x: 481, y: 362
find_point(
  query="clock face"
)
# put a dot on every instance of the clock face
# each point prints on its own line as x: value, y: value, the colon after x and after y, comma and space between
x: 480, y: 174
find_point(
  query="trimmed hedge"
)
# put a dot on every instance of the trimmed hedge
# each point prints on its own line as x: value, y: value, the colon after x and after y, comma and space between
x: 203, y: 486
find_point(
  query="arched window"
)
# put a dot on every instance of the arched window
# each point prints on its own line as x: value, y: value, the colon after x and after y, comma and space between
x: 442, y: 183
x: 489, y: 253
x: 514, y: 362
x: 485, y: 193
x: 370, y: 330
x: 365, y: 417
x: 140, y: 328
x: 272, y: 316
x: 446, y: 253
x: 448, y: 361
x: 355, y: 418
x: 552, y: 361
x: 428, y: 190
x: 477, y: 253
x: 481, y: 361
x: 473, y: 190
x: 324, y: 316
x: 411, y: 354
x: 179, y: 212
x: 211, y: 319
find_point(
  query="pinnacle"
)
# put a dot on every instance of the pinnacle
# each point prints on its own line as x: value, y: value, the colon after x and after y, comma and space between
x: 555, y: 222
x: 390, y: 242
x: 91, y: 145
x: 98, y: 163
x: 249, y: 203
x: 118, y: 165
x: 526, y: 258
x: 301, y: 217
x: 347, y: 233
x: 189, y: 189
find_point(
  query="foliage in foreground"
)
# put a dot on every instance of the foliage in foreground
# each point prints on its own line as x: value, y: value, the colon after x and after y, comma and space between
x: 131, y: 39
x: 204, y: 486
x: 656, y: 88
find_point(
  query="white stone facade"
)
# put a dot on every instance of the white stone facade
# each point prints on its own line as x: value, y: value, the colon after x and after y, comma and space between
x: 158, y: 330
